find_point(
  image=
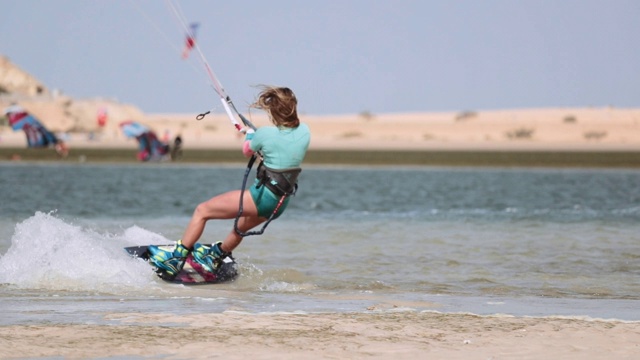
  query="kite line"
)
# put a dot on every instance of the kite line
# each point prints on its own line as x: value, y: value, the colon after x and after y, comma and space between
x: 225, y: 99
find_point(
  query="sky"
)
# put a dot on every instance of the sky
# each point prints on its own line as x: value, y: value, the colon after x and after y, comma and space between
x: 338, y: 56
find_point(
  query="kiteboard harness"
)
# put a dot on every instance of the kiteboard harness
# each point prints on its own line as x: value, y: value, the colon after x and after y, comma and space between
x: 281, y: 182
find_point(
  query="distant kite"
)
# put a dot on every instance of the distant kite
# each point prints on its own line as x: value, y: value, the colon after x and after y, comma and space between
x: 190, y: 40
x: 38, y: 136
x: 149, y: 147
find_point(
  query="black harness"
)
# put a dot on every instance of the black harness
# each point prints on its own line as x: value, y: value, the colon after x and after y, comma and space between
x: 281, y: 182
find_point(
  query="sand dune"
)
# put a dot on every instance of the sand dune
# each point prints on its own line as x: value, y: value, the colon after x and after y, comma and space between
x: 598, y: 129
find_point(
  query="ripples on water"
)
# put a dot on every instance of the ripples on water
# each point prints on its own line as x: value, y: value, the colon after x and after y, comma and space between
x: 405, y: 233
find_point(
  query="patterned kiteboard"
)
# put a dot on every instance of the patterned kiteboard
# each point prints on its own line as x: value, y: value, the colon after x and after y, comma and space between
x: 192, y: 273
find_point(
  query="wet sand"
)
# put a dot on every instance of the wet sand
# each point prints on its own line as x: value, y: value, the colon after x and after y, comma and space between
x: 370, y: 335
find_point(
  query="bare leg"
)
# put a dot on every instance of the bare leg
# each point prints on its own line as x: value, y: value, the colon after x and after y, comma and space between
x: 223, y: 206
x: 244, y: 224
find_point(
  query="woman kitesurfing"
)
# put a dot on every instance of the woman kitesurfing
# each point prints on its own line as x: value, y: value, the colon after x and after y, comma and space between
x: 281, y: 149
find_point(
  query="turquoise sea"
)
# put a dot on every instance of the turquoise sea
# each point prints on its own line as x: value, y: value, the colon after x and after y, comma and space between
x: 517, y: 241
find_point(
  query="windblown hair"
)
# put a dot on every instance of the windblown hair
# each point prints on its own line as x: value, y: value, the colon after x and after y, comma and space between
x: 281, y: 105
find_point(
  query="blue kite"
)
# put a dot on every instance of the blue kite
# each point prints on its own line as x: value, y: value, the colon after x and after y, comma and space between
x: 38, y: 136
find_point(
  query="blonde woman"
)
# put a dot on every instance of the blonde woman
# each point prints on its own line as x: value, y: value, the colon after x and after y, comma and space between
x: 282, y: 148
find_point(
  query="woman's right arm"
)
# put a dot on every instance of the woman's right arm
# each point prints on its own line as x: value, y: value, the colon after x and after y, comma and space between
x: 246, y: 146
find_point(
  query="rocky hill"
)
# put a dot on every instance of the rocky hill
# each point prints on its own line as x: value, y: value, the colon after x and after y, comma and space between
x: 55, y: 110
x: 17, y: 82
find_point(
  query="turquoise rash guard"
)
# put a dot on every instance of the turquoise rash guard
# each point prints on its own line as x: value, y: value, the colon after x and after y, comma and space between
x: 281, y: 148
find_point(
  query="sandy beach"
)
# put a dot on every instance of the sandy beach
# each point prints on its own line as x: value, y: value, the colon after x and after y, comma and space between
x: 563, y: 129
x: 370, y: 335
x: 586, y: 137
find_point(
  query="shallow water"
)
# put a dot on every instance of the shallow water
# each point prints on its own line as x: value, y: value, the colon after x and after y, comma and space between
x: 536, y: 242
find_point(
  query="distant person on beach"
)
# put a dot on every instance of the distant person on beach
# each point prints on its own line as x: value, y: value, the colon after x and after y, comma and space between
x: 176, y: 149
x: 282, y: 148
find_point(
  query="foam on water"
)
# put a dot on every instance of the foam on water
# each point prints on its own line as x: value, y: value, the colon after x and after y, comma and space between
x: 48, y: 253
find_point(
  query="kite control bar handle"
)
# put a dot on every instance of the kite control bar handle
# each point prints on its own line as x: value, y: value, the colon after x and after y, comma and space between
x: 229, y: 112
x: 235, y: 123
x: 201, y: 116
